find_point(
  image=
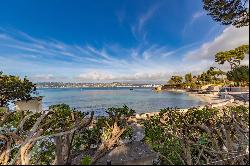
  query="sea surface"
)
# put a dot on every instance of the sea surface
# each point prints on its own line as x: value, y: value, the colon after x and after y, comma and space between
x: 98, y: 99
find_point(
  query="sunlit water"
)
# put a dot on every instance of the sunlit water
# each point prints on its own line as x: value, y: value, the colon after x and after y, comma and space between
x: 98, y: 99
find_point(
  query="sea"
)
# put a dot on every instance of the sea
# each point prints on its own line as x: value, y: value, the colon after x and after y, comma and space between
x: 142, y: 100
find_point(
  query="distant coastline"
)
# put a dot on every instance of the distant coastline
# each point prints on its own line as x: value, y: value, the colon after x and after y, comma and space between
x: 93, y: 85
x: 89, y: 87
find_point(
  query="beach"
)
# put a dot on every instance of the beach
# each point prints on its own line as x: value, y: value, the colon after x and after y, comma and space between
x: 208, y: 98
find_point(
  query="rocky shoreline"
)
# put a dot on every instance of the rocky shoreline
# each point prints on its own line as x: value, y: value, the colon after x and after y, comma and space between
x: 211, y: 100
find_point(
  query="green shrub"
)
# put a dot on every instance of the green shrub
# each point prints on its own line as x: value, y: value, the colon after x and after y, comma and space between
x: 178, y: 136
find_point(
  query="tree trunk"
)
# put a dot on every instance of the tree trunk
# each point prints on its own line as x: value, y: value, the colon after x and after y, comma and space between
x: 1, y: 103
x: 62, y: 149
x: 59, y: 157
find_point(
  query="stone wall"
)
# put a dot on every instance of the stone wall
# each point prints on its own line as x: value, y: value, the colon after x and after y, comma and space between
x: 34, y: 105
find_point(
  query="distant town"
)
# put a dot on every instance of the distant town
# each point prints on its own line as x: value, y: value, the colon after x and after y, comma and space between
x: 90, y: 85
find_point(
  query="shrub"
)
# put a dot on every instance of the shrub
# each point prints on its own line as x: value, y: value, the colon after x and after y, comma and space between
x: 199, y: 136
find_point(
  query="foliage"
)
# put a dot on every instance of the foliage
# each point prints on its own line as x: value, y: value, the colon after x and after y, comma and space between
x: 188, y: 77
x: 122, y: 113
x: 43, y: 152
x: 212, y: 71
x: 86, y: 160
x: 128, y: 133
x: 205, y: 77
x: 214, y: 75
x: 58, y: 119
x: 2, y: 110
x: 13, y: 88
x: 211, y: 76
x: 175, y: 80
x: 116, y: 115
x: 198, y: 136
x: 241, y: 111
x: 57, y: 135
x: 227, y: 12
x: 61, y: 118
x: 239, y: 74
x: 233, y: 57
x: 112, y: 128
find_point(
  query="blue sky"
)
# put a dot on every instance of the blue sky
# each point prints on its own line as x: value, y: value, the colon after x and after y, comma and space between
x: 105, y: 41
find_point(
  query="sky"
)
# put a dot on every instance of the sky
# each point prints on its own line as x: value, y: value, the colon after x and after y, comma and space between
x: 142, y: 41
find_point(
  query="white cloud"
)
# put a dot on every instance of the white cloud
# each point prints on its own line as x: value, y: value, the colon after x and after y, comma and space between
x: 202, y: 58
x: 144, y: 18
x: 145, y: 76
x: 95, y: 76
x: 230, y: 38
x: 47, y: 77
x: 111, y: 62
x: 23, y: 52
x: 197, y: 15
x: 138, y: 28
x: 101, y: 76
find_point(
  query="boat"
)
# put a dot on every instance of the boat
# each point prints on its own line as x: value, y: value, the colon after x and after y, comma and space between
x: 131, y: 89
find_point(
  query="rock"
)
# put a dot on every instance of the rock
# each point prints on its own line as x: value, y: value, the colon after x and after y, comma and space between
x: 139, y: 136
x: 135, y: 153
x: 158, y: 88
x: 144, y: 116
x: 125, y: 141
x: 137, y: 116
x: 138, y: 132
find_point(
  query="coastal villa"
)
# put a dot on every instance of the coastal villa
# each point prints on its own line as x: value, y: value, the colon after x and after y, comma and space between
x: 34, y: 104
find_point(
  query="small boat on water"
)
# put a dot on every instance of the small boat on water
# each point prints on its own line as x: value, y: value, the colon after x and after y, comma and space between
x: 131, y: 89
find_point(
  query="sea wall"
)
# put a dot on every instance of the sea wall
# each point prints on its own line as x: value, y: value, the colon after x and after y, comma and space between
x: 34, y: 105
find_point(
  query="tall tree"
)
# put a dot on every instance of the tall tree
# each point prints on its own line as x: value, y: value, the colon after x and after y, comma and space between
x: 205, y: 77
x: 233, y: 57
x: 175, y: 80
x: 235, y: 12
x: 239, y: 74
x: 188, y: 77
x: 13, y: 88
x: 214, y: 72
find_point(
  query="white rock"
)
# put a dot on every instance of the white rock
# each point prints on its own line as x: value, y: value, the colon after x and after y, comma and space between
x: 144, y: 116
x: 137, y: 116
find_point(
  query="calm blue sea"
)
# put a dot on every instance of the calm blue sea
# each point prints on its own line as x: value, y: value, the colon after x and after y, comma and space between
x: 98, y: 99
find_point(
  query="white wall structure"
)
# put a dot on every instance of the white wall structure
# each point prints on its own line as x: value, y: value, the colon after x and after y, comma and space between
x: 34, y: 104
